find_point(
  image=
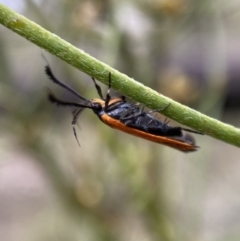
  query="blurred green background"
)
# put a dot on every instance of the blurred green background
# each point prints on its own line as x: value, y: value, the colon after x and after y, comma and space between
x: 115, y: 186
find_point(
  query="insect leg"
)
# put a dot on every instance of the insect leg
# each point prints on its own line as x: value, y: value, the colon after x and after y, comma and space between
x: 133, y: 117
x: 160, y: 109
x: 98, y: 88
x: 76, y: 114
x: 166, y: 121
x: 74, y: 121
x: 150, y: 121
x: 154, y: 111
x: 129, y: 111
x: 189, y: 130
x: 108, y: 97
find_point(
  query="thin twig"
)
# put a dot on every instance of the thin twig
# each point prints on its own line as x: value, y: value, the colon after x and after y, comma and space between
x: 122, y: 83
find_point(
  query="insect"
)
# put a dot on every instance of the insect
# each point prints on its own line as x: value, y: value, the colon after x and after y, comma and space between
x: 117, y: 113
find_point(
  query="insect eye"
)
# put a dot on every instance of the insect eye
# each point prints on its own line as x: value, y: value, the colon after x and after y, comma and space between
x: 97, y: 106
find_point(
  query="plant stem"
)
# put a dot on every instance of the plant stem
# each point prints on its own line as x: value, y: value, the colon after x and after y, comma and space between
x: 122, y: 83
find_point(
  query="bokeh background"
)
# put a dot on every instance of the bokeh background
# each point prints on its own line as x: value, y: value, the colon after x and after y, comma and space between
x: 115, y: 186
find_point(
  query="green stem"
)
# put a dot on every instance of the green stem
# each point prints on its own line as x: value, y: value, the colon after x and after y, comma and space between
x: 122, y: 83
